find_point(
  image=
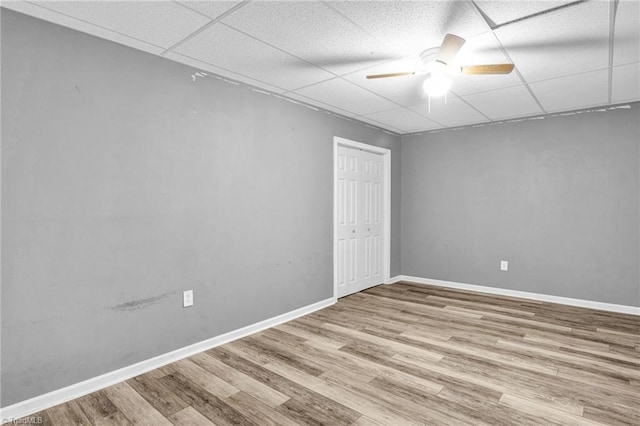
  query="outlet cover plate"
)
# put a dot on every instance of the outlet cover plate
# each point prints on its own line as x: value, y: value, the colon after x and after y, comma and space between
x: 187, y: 298
x: 504, y: 265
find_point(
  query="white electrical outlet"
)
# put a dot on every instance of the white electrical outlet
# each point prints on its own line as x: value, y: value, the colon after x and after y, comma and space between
x: 187, y: 298
x: 504, y: 265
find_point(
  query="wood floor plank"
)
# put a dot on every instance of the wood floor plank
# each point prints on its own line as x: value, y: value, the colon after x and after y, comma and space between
x: 324, y: 357
x: 544, y: 412
x: 241, y: 381
x: 367, y: 421
x: 134, y: 407
x: 354, y: 400
x: 335, y: 409
x: 96, y: 406
x: 471, y: 349
x: 392, y: 399
x: 396, y: 346
x: 301, y: 332
x: 441, y: 409
x: 198, y: 375
x: 276, y: 352
x: 115, y: 419
x: 257, y: 411
x: 520, y: 382
x: 303, y: 413
x: 160, y: 398
x: 189, y: 416
x: 396, y: 355
x: 596, y: 364
x: 612, y: 415
x: 207, y: 404
x: 68, y: 414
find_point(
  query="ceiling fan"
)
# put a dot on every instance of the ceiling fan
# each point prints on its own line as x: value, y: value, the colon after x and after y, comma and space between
x: 439, y: 63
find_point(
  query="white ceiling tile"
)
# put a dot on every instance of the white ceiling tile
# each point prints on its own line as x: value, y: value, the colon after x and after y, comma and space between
x: 626, y: 83
x: 481, y: 49
x: 468, y: 84
x: 627, y: 33
x: 314, y: 102
x: 450, y: 112
x: 505, y: 11
x: 227, y: 48
x: 565, y: 42
x: 212, y: 9
x: 159, y: 23
x: 404, y: 119
x: 573, y: 91
x: 70, y: 22
x: 505, y: 103
x: 199, y: 65
x: 312, y: 31
x: 344, y: 95
x: 413, y: 26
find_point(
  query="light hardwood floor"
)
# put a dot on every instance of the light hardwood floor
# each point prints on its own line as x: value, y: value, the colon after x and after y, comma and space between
x: 396, y: 355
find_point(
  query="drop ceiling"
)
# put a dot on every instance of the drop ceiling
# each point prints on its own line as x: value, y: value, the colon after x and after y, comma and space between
x: 568, y: 55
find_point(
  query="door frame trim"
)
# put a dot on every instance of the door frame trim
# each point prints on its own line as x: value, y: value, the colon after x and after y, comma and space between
x: 386, y: 223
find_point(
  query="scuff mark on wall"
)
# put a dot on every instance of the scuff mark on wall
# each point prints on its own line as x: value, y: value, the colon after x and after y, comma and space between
x: 135, y: 305
x: 197, y: 74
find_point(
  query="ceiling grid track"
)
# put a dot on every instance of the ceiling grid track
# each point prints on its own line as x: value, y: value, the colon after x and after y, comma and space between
x: 383, y: 97
x: 534, y: 15
x: 354, y: 23
x: 205, y: 26
x: 613, y: 9
x: 398, y: 105
x: 471, y: 106
x: 425, y: 116
x: 281, y: 50
x: 517, y: 71
x: 492, y: 27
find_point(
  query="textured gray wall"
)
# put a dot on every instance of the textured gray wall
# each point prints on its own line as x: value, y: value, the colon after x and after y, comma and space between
x: 124, y: 183
x: 557, y: 198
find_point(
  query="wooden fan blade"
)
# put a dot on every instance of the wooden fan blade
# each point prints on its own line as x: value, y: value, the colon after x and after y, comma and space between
x: 393, y: 74
x: 449, y: 48
x: 487, y: 69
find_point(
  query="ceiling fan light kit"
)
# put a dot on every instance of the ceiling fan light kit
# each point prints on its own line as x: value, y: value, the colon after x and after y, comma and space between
x: 436, y: 86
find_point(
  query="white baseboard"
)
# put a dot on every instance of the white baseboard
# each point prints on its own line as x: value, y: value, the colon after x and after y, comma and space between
x: 42, y: 402
x: 623, y: 309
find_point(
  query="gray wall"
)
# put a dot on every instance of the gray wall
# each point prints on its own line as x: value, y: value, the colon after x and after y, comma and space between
x: 124, y: 183
x: 557, y: 198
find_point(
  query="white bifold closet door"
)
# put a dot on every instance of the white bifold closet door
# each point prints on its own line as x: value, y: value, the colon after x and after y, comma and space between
x: 360, y: 183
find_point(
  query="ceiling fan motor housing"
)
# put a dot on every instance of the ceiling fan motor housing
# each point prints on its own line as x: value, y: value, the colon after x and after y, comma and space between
x: 429, y: 55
